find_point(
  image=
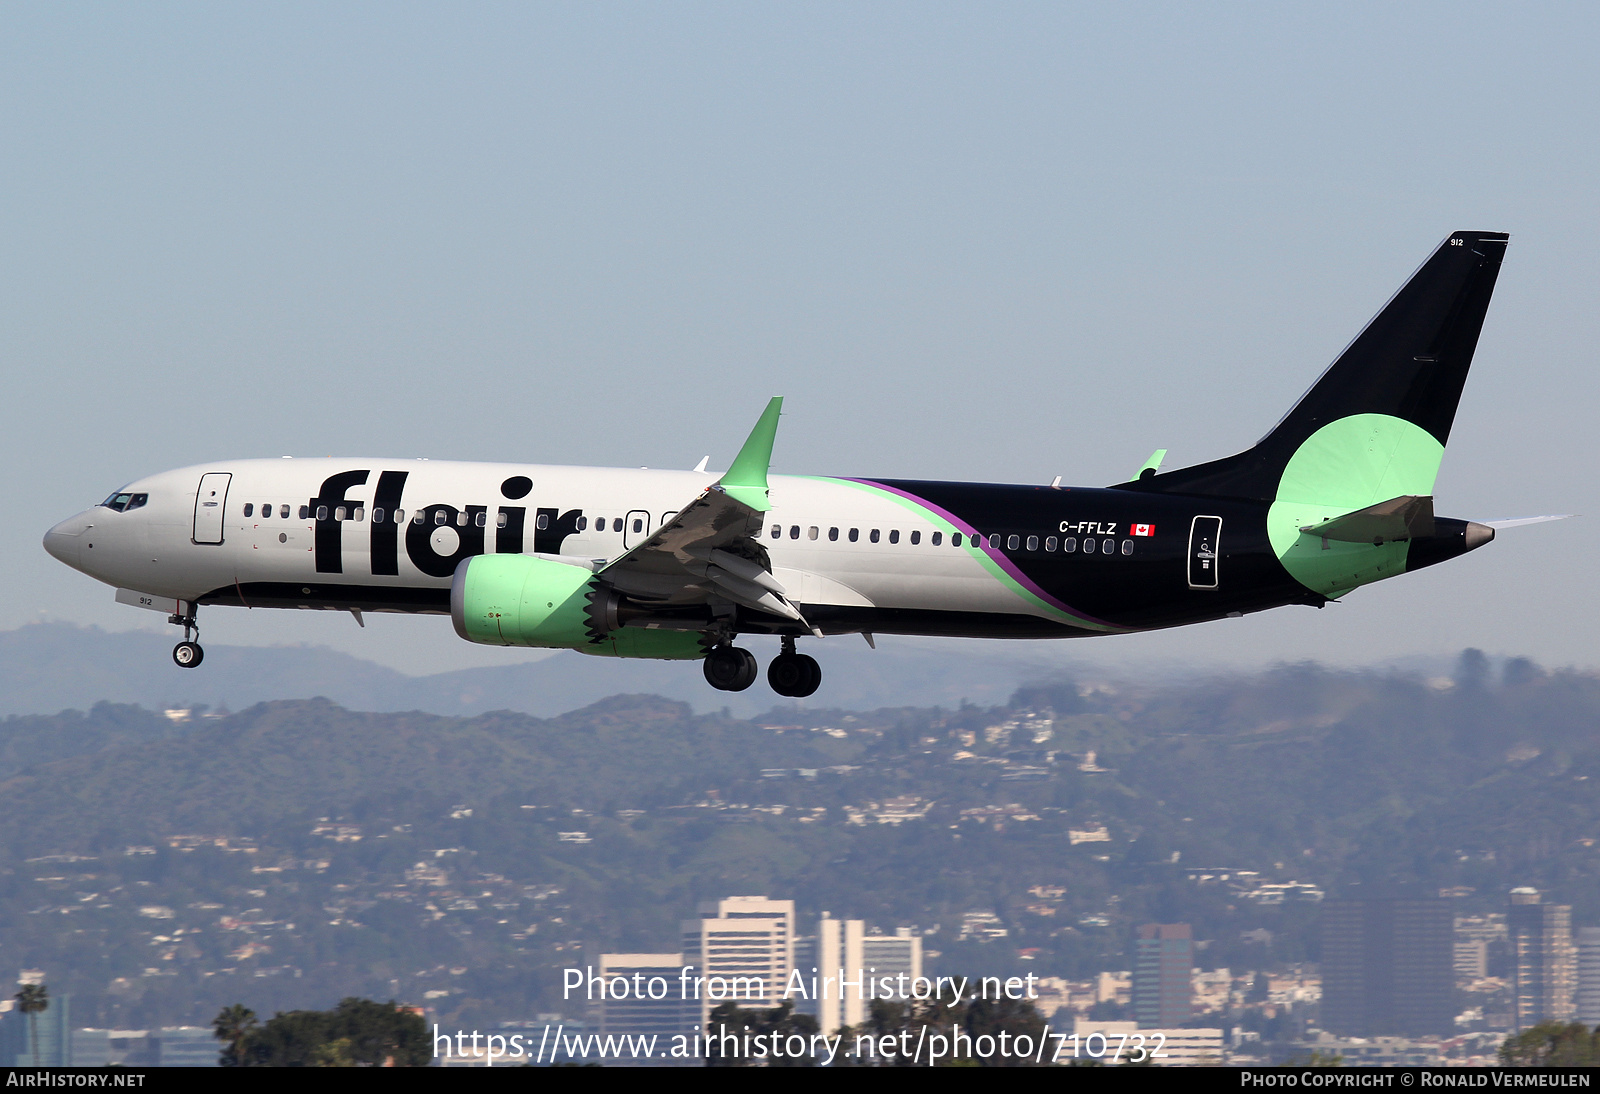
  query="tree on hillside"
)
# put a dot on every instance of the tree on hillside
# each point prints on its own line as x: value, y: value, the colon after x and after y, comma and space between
x: 33, y: 1000
x: 356, y: 1033
x: 232, y: 1026
x: 758, y: 1024
x: 1553, y: 1044
x: 961, y: 1022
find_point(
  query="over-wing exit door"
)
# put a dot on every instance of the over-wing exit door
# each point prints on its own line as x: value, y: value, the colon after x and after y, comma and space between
x: 636, y: 530
x: 1204, y: 533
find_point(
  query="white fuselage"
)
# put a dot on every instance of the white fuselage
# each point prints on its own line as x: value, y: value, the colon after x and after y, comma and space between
x: 168, y: 546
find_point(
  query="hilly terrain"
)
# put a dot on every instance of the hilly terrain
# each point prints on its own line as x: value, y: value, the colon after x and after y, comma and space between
x: 47, y: 667
x: 296, y: 852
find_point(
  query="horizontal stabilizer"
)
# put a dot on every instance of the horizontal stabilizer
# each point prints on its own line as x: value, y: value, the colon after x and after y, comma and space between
x: 1405, y: 517
x: 1520, y: 521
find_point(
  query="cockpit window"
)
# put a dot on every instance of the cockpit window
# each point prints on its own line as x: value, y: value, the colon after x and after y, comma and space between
x: 124, y: 502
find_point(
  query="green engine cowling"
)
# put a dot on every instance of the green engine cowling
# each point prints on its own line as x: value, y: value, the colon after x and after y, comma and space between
x: 522, y: 600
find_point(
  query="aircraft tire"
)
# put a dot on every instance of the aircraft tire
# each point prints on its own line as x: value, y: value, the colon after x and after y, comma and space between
x: 187, y: 655
x: 794, y: 675
x: 813, y: 678
x: 729, y: 668
x: 749, y: 672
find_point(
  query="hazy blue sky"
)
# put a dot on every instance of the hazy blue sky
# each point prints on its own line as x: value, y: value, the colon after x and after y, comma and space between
x: 998, y: 242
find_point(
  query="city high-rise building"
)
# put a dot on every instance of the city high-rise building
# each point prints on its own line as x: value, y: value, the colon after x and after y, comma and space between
x: 743, y: 948
x: 1588, y: 1002
x: 1544, y: 962
x: 1163, y: 982
x: 844, y: 944
x: 52, y: 1027
x: 1388, y: 967
x: 654, y: 1002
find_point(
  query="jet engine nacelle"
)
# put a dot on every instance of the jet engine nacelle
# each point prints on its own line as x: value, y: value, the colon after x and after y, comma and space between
x: 524, y: 600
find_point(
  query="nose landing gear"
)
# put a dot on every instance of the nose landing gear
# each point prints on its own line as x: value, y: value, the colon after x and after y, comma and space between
x: 187, y: 654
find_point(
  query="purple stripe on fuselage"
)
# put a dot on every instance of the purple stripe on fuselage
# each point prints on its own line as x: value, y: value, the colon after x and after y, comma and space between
x: 983, y: 545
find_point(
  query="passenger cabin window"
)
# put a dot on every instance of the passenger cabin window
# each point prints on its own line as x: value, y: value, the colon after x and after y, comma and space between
x: 811, y: 533
x: 873, y: 536
x: 461, y: 519
x: 420, y: 517
x: 399, y: 516
x: 439, y: 517
x: 1050, y: 544
x: 1033, y: 543
x: 994, y: 539
x: 338, y: 512
x: 377, y: 516
x: 894, y: 535
x: 833, y: 535
x: 1069, y: 545
x: 794, y: 531
x: 777, y: 531
x: 1013, y: 542
x: 638, y: 525
x: 935, y: 538
x: 283, y: 511
x: 916, y: 538
x: 855, y: 534
x: 249, y: 509
x: 543, y: 523
x: 361, y: 513
x: 322, y: 512
x: 1107, y: 546
x: 500, y: 521
x: 1088, y: 546
x: 955, y: 539
x: 583, y: 523
x: 305, y: 512
x: 1127, y: 546
x: 483, y: 520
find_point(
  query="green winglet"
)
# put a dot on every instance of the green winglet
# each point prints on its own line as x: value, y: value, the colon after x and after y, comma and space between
x: 746, y: 480
x: 1152, y: 465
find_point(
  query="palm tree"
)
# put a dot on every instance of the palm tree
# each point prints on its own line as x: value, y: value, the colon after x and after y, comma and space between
x: 31, y: 1000
x: 232, y: 1026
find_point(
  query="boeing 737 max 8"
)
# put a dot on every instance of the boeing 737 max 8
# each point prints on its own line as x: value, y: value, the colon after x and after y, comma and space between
x: 677, y: 564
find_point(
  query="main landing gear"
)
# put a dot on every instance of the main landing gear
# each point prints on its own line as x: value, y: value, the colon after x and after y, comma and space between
x: 187, y: 654
x: 730, y: 668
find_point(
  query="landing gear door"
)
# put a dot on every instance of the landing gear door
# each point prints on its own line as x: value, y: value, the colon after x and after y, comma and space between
x: 209, y: 504
x: 1204, y: 533
x: 636, y: 529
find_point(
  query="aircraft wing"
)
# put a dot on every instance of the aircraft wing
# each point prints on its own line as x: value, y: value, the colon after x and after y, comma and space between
x: 710, y: 552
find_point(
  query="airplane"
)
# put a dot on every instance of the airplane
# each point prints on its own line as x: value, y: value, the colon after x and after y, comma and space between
x: 676, y: 564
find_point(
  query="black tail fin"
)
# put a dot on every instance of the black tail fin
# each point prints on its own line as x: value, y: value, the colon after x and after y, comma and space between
x: 1410, y: 362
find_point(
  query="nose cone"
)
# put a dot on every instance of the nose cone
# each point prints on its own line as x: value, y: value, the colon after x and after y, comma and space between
x: 65, y: 540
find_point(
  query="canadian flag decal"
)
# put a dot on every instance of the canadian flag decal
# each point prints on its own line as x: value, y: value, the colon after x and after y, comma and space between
x: 1144, y: 529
